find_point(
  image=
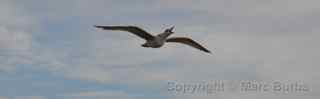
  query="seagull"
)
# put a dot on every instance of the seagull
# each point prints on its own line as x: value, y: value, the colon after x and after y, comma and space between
x: 156, y: 41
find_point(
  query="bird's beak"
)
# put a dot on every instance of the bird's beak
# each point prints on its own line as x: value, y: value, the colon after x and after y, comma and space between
x: 171, y: 28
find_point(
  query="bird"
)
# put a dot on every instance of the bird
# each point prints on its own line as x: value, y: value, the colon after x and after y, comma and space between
x: 155, y: 41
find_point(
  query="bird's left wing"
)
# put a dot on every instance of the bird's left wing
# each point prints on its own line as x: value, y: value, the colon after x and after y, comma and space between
x: 189, y: 42
x: 132, y: 29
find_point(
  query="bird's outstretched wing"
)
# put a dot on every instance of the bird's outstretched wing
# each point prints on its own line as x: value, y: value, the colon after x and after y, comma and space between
x: 187, y: 41
x: 133, y: 29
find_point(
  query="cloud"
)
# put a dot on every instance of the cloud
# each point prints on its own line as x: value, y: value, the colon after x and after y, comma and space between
x: 250, y: 39
x: 269, y: 17
x: 29, y: 97
x: 272, y: 58
x: 244, y: 96
x: 3, y: 97
x: 244, y: 7
x: 15, y: 39
x: 99, y: 95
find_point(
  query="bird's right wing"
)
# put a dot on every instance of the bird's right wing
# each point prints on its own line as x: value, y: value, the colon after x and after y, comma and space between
x: 133, y: 29
x: 187, y: 41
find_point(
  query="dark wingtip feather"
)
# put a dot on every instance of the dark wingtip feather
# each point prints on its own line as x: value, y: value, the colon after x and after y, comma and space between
x: 97, y: 26
x: 208, y: 51
x: 204, y: 49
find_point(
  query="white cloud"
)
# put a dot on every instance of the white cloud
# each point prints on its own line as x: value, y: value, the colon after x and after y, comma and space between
x: 14, y: 16
x: 244, y: 7
x: 271, y: 17
x: 274, y: 57
x: 15, y: 39
x: 99, y: 95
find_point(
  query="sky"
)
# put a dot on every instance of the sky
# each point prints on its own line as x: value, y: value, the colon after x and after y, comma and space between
x: 49, y: 49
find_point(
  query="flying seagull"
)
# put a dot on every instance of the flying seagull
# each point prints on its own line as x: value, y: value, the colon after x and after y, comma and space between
x: 158, y: 40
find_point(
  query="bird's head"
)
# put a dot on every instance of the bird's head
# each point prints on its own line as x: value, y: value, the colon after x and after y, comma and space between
x: 169, y: 30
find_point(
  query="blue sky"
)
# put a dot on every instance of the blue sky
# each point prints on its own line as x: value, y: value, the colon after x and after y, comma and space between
x: 49, y: 49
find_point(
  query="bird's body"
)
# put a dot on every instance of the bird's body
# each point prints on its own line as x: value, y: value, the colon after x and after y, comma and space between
x: 158, y: 40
